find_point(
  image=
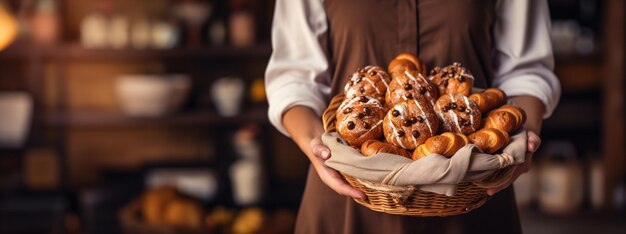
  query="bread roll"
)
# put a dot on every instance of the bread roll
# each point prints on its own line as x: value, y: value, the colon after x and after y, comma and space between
x: 153, y: 203
x: 371, y: 81
x: 446, y: 144
x: 453, y: 79
x: 410, y: 85
x: 458, y: 114
x: 409, y: 123
x: 507, y: 118
x: 400, y: 66
x: 373, y: 147
x: 489, y: 140
x: 360, y: 119
x: 412, y: 58
x: 183, y: 212
x: 488, y: 99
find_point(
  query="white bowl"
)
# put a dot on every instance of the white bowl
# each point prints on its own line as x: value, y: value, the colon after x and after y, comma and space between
x: 227, y: 93
x: 152, y: 95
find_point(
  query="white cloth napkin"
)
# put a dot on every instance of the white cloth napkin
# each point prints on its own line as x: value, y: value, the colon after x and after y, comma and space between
x: 433, y: 173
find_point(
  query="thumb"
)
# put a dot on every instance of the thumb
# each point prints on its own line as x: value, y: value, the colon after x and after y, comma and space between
x: 534, y: 141
x: 319, y: 150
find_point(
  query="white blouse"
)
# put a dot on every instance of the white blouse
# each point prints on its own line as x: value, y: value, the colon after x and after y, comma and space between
x: 298, y: 70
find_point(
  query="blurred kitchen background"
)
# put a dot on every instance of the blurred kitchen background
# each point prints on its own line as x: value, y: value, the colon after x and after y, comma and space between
x: 149, y: 116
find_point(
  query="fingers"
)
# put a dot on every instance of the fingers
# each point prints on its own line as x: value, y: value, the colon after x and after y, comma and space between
x: 518, y: 171
x: 335, y: 181
x: 319, y: 150
x: 342, y: 187
x: 534, y: 141
x: 493, y: 191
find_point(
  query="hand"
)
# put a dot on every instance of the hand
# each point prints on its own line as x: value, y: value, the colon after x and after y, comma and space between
x: 319, y: 149
x: 533, y: 144
x: 330, y: 176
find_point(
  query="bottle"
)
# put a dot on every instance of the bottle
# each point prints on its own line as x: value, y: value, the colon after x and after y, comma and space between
x: 45, y: 22
x: 140, y: 33
x: 242, y: 31
x: 596, y: 183
x: 118, y: 31
x: 561, y: 179
x: 247, y: 173
x: 526, y: 188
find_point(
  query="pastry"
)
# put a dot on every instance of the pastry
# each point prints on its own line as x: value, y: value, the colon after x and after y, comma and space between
x: 370, y: 81
x: 249, y: 220
x: 219, y: 216
x: 372, y: 147
x: 408, y: 85
x: 183, y: 212
x: 360, y: 119
x: 453, y: 79
x: 400, y: 65
x: 397, y: 64
x: 507, y: 118
x: 458, y: 114
x: 489, y: 140
x: 409, y: 123
x: 153, y: 203
x: 445, y: 144
x: 488, y: 99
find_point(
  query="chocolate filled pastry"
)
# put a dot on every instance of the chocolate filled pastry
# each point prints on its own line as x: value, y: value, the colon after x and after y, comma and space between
x: 458, y: 114
x: 409, y: 123
x: 406, y: 61
x: 506, y: 118
x: 489, y: 140
x: 445, y: 144
x: 372, y: 147
x: 489, y: 99
x: 371, y: 81
x: 410, y: 85
x: 360, y: 119
x: 453, y: 79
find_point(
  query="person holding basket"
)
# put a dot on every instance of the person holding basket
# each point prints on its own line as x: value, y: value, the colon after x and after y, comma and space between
x: 317, y: 46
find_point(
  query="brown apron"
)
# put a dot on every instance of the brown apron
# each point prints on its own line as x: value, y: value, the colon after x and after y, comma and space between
x: 364, y: 32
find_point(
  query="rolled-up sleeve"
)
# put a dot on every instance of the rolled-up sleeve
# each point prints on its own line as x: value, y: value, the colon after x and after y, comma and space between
x: 298, y: 70
x: 523, y: 56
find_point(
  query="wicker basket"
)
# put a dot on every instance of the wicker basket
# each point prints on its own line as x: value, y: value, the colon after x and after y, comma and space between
x: 407, y: 200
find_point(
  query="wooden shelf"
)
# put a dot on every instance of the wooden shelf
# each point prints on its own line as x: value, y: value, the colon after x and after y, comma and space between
x: 20, y: 51
x: 198, y: 118
x: 76, y: 51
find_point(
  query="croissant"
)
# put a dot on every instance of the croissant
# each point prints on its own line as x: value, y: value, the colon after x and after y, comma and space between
x: 489, y: 140
x: 506, y: 118
x: 372, y: 147
x: 445, y: 144
x: 488, y: 99
x: 399, y: 66
x: 414, y: 60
